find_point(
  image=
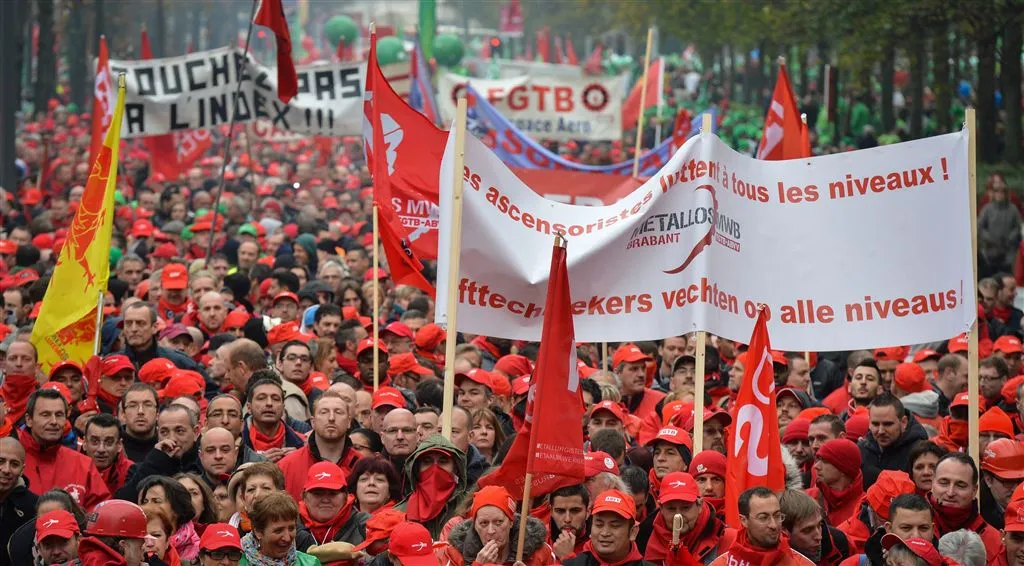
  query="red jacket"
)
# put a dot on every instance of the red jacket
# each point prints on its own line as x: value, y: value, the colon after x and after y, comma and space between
x: 990, y: 536
x: 856, y: 531
x: 296, y: 464
x: 59, y: 466
x: 839, y: 400
x: 646, y: 404
x: 92, y: 552
x: 115, y: 476
x: 840, y: 506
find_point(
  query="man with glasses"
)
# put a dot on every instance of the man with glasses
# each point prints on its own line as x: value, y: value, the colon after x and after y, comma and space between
x: 760, y: 540
x: 220, y: 546
x: 295, y: 362
x: 137, y: 413
x: 399, y: 435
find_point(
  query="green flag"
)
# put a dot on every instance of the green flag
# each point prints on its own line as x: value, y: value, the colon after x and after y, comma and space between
x: 428, y: 27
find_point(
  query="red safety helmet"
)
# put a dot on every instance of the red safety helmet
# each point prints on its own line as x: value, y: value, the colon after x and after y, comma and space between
x: 117, y: 518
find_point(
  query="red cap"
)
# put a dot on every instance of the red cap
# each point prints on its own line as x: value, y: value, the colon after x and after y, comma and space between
x: 65, y: 364
x: 920, y: 547
x: 1013, y: 517
x: 678, y: 486
x: 24, y: 277
x: 58, y: 523
x: 157, y: 371
x: 406, y: 363
x: 521, y: 385
x: 1007, y: 344
x: 174, y: 276
x: 31, y: 196
x: 387, y: 397
x: 889, y: 485
x: 368, y: 343
x: 958, y: 344
x: 597, y: 462
x: 184, y: 383
x: 611, y: 406
x: 910, y: 378
x: 43, y: 241
x: 165, y: 251
x: 142, y: 229
x: 325, y: 475
x: 779, y: 358
x: 285, y: 295
x: 412, y: 545
x: 628, y: 353
x: 218, y: 536
x: 515, y: 365
x: 584, y: 370
x: 673, y: 435
x: 235, y: 319
x: 59, y: 388
x: 962, y: 400
x: 380, y: 274
x: 897, y: 353
x: 708, y: 462
x: 399, y: 329
x: 7, y: 247
x: 923, y: 355
x: 380, y: 525
x: 495, y: 496
x: 615, y: 501
x: 115, y: 363
x: 429, y: 336
x: 500, y: 385
x: 476, y: 375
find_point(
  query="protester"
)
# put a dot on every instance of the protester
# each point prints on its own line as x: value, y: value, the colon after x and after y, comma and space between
x: 115, y: 534
x: 487, y: 536
x: 891, y: 433
x: 952, y: 498
x: 435, y: 476
x: 840, y: 483
x: 327, y: 510
x: 57, y: 537
x: 760, y: 540
x: 703, y: 536
x: 273, y: 539
x: 613, y: 531
x: 220, y: 544
x: 809, y: 533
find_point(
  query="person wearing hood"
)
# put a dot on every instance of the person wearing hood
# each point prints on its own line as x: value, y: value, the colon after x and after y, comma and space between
x: 797, y: 441
x: 487, y: 536
x: 307, y: 257
x: 840, y: 483
x: 891, y: 434
x: 436, y: 473
x: 953, y: 427
x: 702, y: 537
x: 874, y: 509
x: 326, y: 508
x: 761, y: 540
x: 953, y: 501
x: 910, y: 385
x: 17, y: 503
x: 1002, y: 470
x: 116, y: 531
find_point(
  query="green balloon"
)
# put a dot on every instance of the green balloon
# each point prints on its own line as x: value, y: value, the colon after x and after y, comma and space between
x: 390, y: 50
x: 341, y: 28
x: 448, y: 50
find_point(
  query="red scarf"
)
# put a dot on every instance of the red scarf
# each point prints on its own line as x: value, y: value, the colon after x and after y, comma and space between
x: 949, y: 519
x: 1001, y: 314
x: 432, y: 491
x: 108, y: 398
x: 718, y: 503
x: 316, y: 380
x: 655, y: 483
x: 5, y: 428
x: 952, y: 434
x: 633, y: 555
x: 262, y: 443
x: 168, y: 311
x: 744, y: 552
x: 838, y: 499
x: 387, y: 505
x: 323, y: 532
x: 660, y: 544
x: 347, y: 364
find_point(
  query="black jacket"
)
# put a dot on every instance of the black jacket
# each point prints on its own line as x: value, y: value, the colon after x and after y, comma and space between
x: 826, y: 377
x: 895, y: 457
x: 353, y: 531
x: 137, y: 448
x: 17, y: 509
x: 157, y: 463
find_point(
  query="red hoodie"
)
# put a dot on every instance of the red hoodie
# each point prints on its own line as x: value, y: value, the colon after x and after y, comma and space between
x: 59, y: 466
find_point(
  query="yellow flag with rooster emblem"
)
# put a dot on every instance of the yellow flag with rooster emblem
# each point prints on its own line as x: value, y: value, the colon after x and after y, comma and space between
x: 66, y: 326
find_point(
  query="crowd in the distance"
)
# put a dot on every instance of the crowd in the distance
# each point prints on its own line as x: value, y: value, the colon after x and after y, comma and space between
x: 235, y: 421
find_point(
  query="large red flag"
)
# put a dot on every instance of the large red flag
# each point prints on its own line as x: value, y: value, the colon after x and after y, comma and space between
x: 781, y: 137
x: 382, y: 155
x: 755, y: 455
x: 632, y: 108
x: 593, y: 64
x: 271, y: 15
x: 570, y: 52
x: 550, y: 442
x: 103, y: 98
x: 544, y: 45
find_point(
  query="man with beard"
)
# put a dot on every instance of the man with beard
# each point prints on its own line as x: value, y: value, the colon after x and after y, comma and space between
x: 266, y: 432
x: 891, y: 433
x: 708, y: 469
x: 613, y: 530
x: 328, y: 442
x: 103, y: 444
x: 760, y: 539
x: 840, y: 484
x: 702, y: 536
x: 865, y: 385
x: 808, y: 533
x: 630, y: 364
x: 570, y: 514
x: 137, y: 413
x: 57, y: 536
x: 17, y: 503
x: 1009, y: 349
x: 796, y: 441
x: 953, y: 501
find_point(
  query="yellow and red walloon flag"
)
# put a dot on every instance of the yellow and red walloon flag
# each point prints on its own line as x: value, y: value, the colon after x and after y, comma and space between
x: 66, y: 327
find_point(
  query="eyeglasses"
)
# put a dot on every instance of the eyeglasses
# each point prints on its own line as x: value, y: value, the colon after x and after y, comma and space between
x: 766, y: 518
x: 234, y: 555
x: 408, y: 431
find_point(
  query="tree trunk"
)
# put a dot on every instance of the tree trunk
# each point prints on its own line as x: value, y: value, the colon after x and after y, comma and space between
x: 1011, y: 76
x: 730, y: 72
x: 805, y: 67
x: 77, y: 55
x: 986, y: 45
x: 12, y: 40
x: 944, y: 82
x: 888, y: 68
x: 918, y: 70
x: 46, y: 70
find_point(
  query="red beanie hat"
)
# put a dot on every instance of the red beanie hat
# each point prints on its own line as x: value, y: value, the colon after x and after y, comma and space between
x: 797, y: 429
x: 708, y: 462
x: 843, y: 454
x: 856, y: 427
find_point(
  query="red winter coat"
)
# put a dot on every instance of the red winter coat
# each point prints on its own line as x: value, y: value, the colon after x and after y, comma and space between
x: 646, y: 404
x: 59, y: 466
x: 841, y: 506
x: 839, y: 400
x: 92, y: 552
x: 296, y: 464
x: 115, y: 476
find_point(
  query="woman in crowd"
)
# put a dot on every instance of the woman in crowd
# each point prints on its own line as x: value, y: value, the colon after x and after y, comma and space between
x: 159, y: 527
x: 351, y: 295
x: 366, y: 442
x: 255, y: 481
x: 375, y: 484
x: 486, y: 536
x: 924, y: 456
x: 326, y: 359
x: 168, y: 494
x: 486, y: 434
x: 202, y: 499
x: 272, y: 541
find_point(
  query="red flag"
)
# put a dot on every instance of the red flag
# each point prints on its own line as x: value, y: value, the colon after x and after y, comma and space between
x: 593, y: 66
x: 543, y: 45
x: 781, y: 138
x: 103, y: 98
x: 755, y: 455
x: 550, y: 442
x: 382, y: 156
x: 559, y: 52
x: 681, y: 129
x: 145, y: 50
x: 631, y: 109
x: 805, y: 137
x: 570, y: 52
x: 271, y: 15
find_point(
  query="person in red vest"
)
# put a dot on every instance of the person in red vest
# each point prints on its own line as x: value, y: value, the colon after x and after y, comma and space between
x: 761, y: 540
x: 630, y: 364
x: 874, y: 510
x: 953, y: 503
x: 48, y: 463
x: 103, y: 444
x: 840, y: 484
x: 328, y: 442
x: 703, y: 535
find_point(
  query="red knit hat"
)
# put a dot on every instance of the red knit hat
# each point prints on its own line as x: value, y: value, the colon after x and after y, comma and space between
x: 843, y: 454
x: 708, y: 462
x: 889, y: 485
x: 797, y: 429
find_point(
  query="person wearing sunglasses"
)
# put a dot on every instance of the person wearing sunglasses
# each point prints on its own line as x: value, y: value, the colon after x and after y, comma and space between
x: 220, y: 545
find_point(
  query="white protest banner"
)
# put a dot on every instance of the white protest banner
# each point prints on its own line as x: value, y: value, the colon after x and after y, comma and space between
x: 854, y: 250
x: 555, y: 108
x: 196, y: 91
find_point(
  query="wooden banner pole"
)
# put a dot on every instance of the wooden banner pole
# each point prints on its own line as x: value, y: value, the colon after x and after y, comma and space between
x: 522, y: 517
x: 376, y: 300
x: 702, y: 340
x: 643, y: 100
x: 972, y: 343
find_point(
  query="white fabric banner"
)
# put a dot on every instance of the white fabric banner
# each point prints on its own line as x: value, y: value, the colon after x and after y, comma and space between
x: 855, y: 250
x: 196, y: 91
x: 545, y: 107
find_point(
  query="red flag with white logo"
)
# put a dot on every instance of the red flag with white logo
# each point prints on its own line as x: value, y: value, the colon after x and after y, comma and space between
x: 782, y: 136
x: 381, y: 157
x: 550, y: 442
x: 755, y: 455
x: 103, y: 98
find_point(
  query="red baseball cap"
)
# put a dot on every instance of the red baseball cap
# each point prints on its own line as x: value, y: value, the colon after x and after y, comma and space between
x: 920, y: 547
x: 142, y: 229
x: 923, y: 355
x: 157, y: 371
x: 56, y: 523
x: 678, y: 486
x: 380, y: 525
x: 399, y: 329
x: 65, y: 364
x: 897, y: 353
x: 515, y: 365
x: 910, y: 378
x: 325, y: 475
x: 115, y: 363
x: 406, y: 363
x: 164, y: 251
x: 1014, y: 516
x: 628, y: 353
x: 218, y: 536
x: 184, y: 383
x: 615, y: 501
x: 672, y: 435
x: 612, y: 407
x: 429, y: 336
x: 958, y: 344
x: 285, y: 296
x: 411, y: 544
x: 387, y: 397
x: 476, y: 375
x: 174, y: 277
x: 372, y: 275
x: 597, y: 462
x: 1007, y: 344
x: 368, y: 343
x: 521, y: 385
x: 59, y: 388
